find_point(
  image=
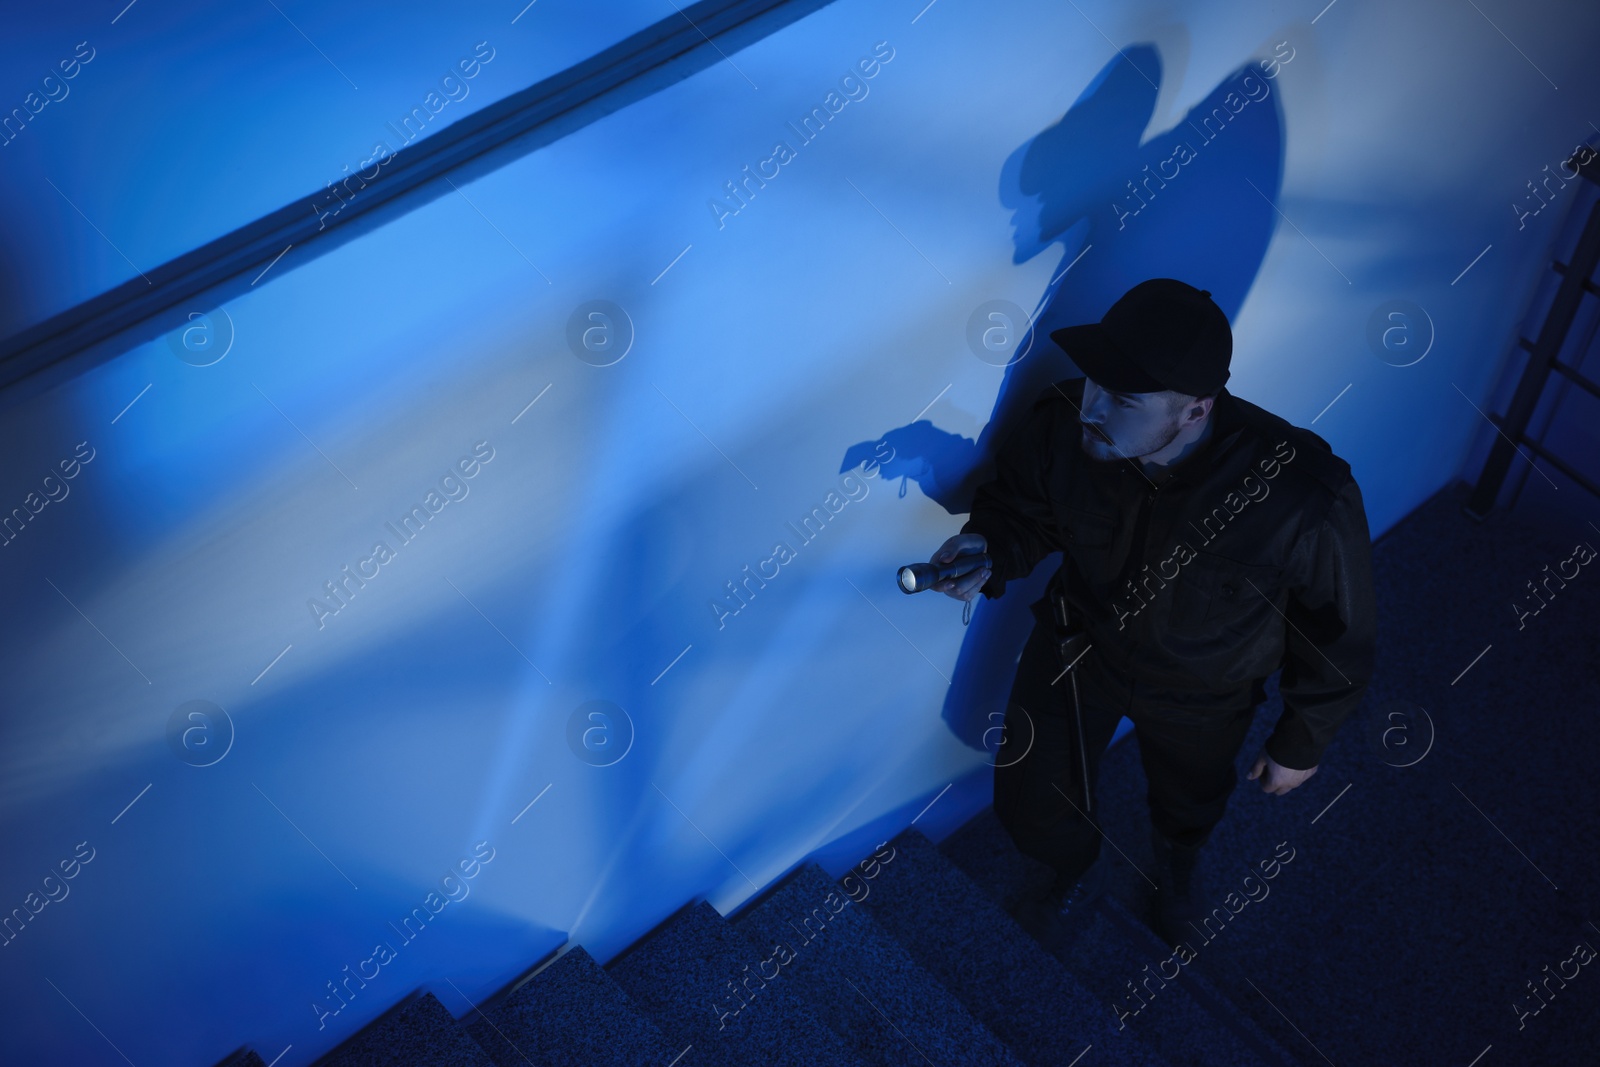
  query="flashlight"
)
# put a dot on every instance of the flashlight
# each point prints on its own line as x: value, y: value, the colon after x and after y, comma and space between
x: 916, y: 577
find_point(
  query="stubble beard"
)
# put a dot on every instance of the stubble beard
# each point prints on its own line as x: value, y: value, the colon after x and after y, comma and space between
x: 1097, y: 448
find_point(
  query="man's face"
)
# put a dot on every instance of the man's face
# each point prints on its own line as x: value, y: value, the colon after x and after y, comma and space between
x: 1126, y: 425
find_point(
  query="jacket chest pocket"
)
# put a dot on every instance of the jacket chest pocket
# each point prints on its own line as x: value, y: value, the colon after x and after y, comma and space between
x: 1216, y: 593
x: 1085, y: 530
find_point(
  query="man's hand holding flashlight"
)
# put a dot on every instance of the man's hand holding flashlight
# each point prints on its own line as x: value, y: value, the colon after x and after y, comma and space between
x: 967, y: 586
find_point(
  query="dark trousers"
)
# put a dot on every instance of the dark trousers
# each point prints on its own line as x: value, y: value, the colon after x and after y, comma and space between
x: 1188, y: 743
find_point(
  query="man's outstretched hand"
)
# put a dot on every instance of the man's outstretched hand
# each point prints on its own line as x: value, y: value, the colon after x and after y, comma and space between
x: 1277, y: 778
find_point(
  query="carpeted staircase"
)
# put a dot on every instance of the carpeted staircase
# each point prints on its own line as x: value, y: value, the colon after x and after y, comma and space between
x: 909, y: 959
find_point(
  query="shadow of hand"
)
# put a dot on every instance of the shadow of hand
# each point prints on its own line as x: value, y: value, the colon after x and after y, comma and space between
x: 940, y: 462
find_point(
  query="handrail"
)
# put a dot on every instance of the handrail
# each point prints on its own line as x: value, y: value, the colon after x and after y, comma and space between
x: 636, y: 67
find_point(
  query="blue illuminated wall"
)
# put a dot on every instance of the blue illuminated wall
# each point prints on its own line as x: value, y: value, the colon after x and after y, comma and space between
x: 137, y: 136
x: 606, y: 382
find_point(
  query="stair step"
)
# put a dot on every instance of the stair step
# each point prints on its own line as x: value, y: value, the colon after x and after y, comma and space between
x: 1127, y: 973
x: 1007, y: 981
x: 683, y: 976
x: 1200, y: 988
x: 859, y: 980
x: 419, y: 1032
x: 571, y: 1013
x: 244, y: 1057
x: 1109, y: 948
x: 982, y: 848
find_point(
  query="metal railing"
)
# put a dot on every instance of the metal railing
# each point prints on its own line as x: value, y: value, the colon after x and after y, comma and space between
x: 1577, y: 278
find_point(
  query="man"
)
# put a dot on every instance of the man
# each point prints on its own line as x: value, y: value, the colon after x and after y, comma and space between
x: 1206, y: 543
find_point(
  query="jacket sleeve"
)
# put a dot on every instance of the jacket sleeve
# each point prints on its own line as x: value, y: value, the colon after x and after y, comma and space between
x: 1332, y: 634
x: 1012, y: 511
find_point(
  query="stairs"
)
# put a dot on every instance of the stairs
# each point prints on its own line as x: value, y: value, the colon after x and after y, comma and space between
x: 908, y: 960
x: 1125, y: 965
x: 572, y: 1013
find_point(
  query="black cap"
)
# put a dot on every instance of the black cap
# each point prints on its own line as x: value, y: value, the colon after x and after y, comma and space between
x: 1161, y: 334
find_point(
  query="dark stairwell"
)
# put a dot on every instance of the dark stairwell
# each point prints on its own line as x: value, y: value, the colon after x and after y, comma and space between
x: 1441, y: 882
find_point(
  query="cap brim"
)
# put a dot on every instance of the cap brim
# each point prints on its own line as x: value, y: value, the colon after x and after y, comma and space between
x: 1102, y: 361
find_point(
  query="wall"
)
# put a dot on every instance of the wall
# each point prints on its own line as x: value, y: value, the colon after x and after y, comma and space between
x: 135, y: 137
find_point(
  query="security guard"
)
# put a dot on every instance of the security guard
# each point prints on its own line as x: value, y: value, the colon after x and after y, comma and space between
x: 1206, y: 543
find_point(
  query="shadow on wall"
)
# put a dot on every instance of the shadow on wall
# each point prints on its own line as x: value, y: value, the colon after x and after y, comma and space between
x: 1194, y: 202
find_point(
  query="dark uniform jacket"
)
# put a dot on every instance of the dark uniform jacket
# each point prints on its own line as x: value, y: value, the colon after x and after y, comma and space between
x: 1252, y: 554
